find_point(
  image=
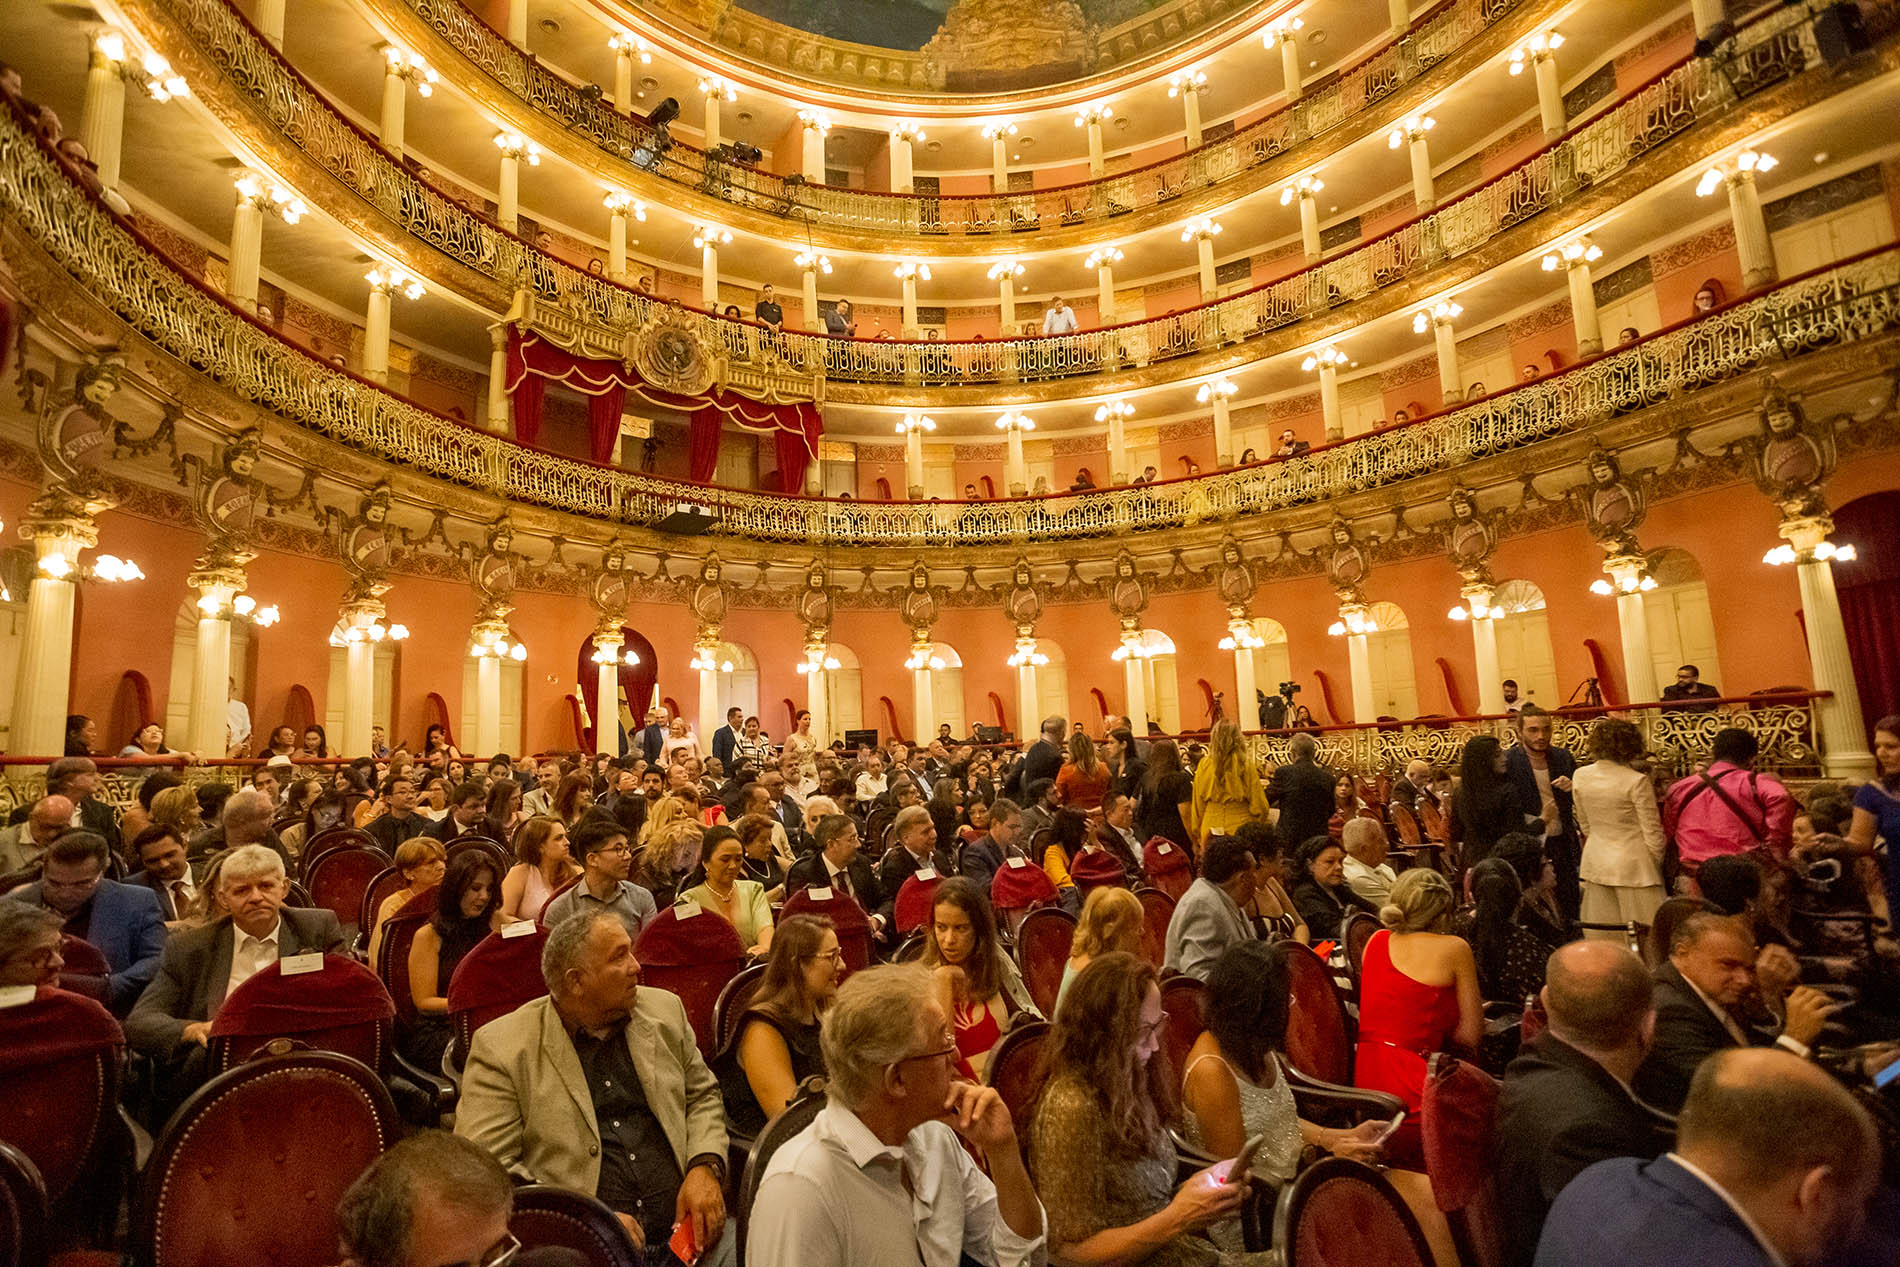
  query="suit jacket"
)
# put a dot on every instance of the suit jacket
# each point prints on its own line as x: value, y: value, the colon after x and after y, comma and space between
x: 810, y: 872
x: 127, y: 927
x: 1562, y: 765
x: 392, y: 833
x: 1303, y: 793
x: 1403, y: 793
x: 652, y: 742
x: 1687, y: 1033
x: 1560, y: 1112
x: 1645, y: 1214
x: 1042, y: 761
x: 95, y: 815
x: 724, y: 740
x: 446, y: 829
x: 195, y: 968
x: 525, y: 1097
x: 979, y: 860
x: 1205, y: 923
x: 166, y: 906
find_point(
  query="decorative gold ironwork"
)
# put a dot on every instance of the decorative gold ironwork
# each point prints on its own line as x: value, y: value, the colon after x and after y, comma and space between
x: 1855, y: 300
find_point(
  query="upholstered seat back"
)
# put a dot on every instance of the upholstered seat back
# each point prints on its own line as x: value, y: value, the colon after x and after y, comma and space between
x: 1042, y: 952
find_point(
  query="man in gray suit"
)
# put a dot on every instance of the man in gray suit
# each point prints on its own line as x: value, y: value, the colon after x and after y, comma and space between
x: 1209, y: 917
x: 171, y: 1022
x: 599, y: 1086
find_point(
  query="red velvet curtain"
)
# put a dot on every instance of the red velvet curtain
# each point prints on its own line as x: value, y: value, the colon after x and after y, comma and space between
x: 1870, y: 599
x: 603, y: 422
x: 637, y: 681
x: 703, y: 453
x: 795, y: 456
x: 529, y: 398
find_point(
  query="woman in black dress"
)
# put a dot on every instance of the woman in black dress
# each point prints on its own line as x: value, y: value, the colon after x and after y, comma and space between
x: 1484, y: 808
x: 468, y: 909
x: 1165, y: 789
x: 775, y: 1047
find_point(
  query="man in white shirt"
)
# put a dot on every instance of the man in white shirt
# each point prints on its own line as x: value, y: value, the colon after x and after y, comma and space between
x: 872, y: 783
x: 880, y: 1176
x: 1367, y: 872
x: 237, y: 723
x: 1059, y: 318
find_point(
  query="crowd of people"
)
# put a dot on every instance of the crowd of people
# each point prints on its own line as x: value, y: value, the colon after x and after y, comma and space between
x: 1664, y: 938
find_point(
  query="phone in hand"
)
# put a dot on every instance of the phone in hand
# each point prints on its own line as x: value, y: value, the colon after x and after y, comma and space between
x: 1391, y: 1129
x: 1242, y: 1169
x: 684, y: 1247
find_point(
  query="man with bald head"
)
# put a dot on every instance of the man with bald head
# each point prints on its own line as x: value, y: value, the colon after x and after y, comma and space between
x: 1414, y: 783
x: 1566, y: 1103
x: 1773, y: 1167
x: 23, y: 843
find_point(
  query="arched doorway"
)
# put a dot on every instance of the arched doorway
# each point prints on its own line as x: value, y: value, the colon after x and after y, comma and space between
x: 1052, y: 683
x: 627, y: 710
x: 1523, y: 635
x: 184, y: 651
x: 1869, y: 587
x: 1272, y: 665
x: 946, y: 691
x: 513, y: 685
x: 844, y: 691
x: 738, y: 688
x: 1389, y: 653
x: 1159, y: 684
x: 1681, y: 630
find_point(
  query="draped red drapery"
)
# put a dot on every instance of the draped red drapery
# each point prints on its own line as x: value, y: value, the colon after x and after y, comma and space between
x: 1869, y: 587
x: 533, y: 362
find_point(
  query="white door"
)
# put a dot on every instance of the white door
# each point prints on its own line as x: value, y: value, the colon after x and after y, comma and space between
x: 1824, y: 240
x: 1524, y: 655
x: 184, y: 650
x: 511, y: 696
x: 1681, y: 632
x: 382, y: 691
x: 1272, y: 665
x: 844, y: 692
x: 1052, y: 686
x: 1163, y: 689
x: 739, y: 688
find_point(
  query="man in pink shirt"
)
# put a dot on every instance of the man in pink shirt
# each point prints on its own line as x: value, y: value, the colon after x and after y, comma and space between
x: 1728, y: 809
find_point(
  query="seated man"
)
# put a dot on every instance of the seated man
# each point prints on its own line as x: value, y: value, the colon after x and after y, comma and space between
x: 599, y: 1086
x: 468, y: 807
x: 171, y: 1022
x: 400, y: 823
x: 979, y: 860
x: 1566, y: 1102
x: 880, y: 1176
x: 837, y: 865
x: 1711, y: 969
x: 1367, y: 872
x: 434, y: 1199
x: 915, y: 849
x: 22, y: 843
x: 601, y: 845
x: 29, y: 946
x: 164, y: 869
x: 1774, y: 1166
x: 244, y: 819
x: 122, y: 921
x: 1209, y: 917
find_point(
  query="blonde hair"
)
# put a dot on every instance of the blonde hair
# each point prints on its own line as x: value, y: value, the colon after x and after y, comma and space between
x: 1228, y: 757
x: 668, y: 812
x: 1112, y: 919
x: 172, y: 807
x: 1419, y: 900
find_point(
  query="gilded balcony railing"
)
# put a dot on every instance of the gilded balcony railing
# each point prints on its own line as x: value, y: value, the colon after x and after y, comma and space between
x: 117, y: 267
x: 1323, y: 108
x: 592, y: 315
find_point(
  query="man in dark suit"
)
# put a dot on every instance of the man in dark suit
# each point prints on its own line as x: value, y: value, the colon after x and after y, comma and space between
x: 652, y: 736
x: 837, y: 864
x: 171, y: 1022
x: 400, y: 823
x: 1042, y: 760
x: 123, y: 921
x: 1774, y: 1166
x: 1302, y: 791
x: 467, y: 808
x: 1540, y: 773
x: 916, y: 848
x: 1408, y: 787
x: 164, y: 869
x: 1711, y: 968
x: 1566, y: 1102
x: 77, y: 779
x: 979, y: 860
x: 726, y: 738
x: 1689, y: 692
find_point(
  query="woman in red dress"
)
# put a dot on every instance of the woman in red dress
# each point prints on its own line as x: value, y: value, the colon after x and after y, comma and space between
x: 1418, y: 994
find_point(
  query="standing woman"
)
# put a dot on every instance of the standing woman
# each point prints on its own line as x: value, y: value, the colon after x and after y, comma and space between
x: 775, y: 1046
x: 1418, y: 993
x: 469, y: 909
x: 1084, y: 778
x: 1167, y: 795
x: 980, y: 988
x: 802, y: 746
x: 1615, y: 806
x: 436, y: 739
x: 1227, y: 788
x: 752, y: 745
x: 544, y: 865
x: 1124, y: 767
x: 1877, y: 810
x: 1484, y: 808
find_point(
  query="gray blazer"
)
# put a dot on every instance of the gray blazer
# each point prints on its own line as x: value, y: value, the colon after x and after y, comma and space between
x: 525, y: 1097
x: 195, y: 968
x: 1205, y: 923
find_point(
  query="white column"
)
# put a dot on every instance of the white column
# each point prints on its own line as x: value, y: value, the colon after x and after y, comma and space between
x: 607, y: 693
x: 46, y: 644
x: 359, y: 692
x: 1639, y: 672
x: 907, y: 278
x: 1484, y: 647
x: 269, y: 17
x: 1117, y: 448
x: 808, y: 279
x: 1309, y: 218
x: 1090, y: 117
x: 903, y: 180
x: 1133, y: 681
x: 1015, y: 470
x: 1412, y: 135
x: 812, y: 154
x: 818, y: 701
x: 923, y: 697
x: 999, y: 156
x: 1288, y: 39
x: 211, y: 662
x: 1583, y: 301
x: 1189, y: 87
x: 1365, y: 708
x: 499, y: 420
x: 1550, y: 94
x: 1103, y: 260
x: 395, y: 98
x: 617, y: 207
x: 376, y: 335
x: 709, y: 720
x: 1438, y: 318
x: 1398, y: 15
x: 1707, y: 14
x: 1223, y: 430
x: 508, y: 185
x: 714, y: 91
x: 1837, y: 719
x: 1329, y: 402
x: 247, y: 249
x: 1204, y: 256
x: 625, y: 50
x: 518, y: 36
x: 1751, y: 231
x: 488, y: 702
x: 914, y: 464
x: 1246, y: 710
x: 1006, y: 299
x: 709, y: 273
x: 102, y: 117
x: 1028, y: 702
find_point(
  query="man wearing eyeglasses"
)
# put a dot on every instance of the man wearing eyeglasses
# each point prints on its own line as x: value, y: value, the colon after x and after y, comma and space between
x: 122, y: 920
x: 880, y: 1176
x: 602, y: 846
x: 599, y: 1086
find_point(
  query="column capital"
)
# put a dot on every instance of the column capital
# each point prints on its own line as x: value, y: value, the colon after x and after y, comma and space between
x: 1629, y: 571
x: 1805, y: 533
x: 218, y: 585
x: 361, y: 611
x: 607, y: 638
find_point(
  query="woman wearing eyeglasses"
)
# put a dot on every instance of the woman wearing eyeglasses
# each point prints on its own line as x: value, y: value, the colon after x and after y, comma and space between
x: 1099, y: 1147
x: 775, y: 1047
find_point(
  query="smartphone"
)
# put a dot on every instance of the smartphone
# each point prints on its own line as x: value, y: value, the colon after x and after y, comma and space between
x: 682, y: 1244
x: 1242, y: 1169
x: 1885, y: 1078
x: 1391, y: 1128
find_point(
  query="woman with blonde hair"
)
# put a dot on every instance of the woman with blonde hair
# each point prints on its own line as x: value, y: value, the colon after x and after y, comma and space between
x: 1112, y: 919
x: 544, y: 865
x: 668, y: 811
x: 422, y: 862
x: 178, y: 809
x: 1227, y: 789
x: 1083, y: 779
x: 670, y: 854
x: 1418, y: 993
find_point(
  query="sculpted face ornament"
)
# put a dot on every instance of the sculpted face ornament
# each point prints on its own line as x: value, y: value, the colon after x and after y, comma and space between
x: 1469, y: 539
x: 1347, y: 565
x: 1614, y: 506
x: 1793, y: 458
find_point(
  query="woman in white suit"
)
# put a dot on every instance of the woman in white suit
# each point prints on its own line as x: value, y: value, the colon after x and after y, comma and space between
x: 1623, y: 837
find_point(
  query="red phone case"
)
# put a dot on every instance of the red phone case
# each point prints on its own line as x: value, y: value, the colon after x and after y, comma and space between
x: 682, y: 1242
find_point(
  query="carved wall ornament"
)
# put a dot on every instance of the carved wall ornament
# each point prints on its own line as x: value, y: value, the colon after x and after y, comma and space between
x: 667, y: 352
x: 1792, y: 457
x: 709, y: 598
x: 919, y: 604
x: 225, y: 501
x: 1022, y: 602
x: 1470, y: 537
x: 1347, y: 564
x: 364, y: 542
x: 75, y: 429
x: 1234, y: 580
x: 1613, y: 506
x: 493, y: 572
x: 610, y: 587
x: 814, y: 603
x: 1127, y: 591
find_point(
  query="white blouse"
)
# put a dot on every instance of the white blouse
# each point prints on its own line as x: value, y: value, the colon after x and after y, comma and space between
x: 1623, y: 835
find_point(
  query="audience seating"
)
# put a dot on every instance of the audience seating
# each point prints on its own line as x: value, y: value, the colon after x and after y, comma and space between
x: 1157, y: 909
x: 795, y: 1117
x: 496, y: 851
x: 1017, y: 890
x: 1405, y: 823
x: 548, y: 1217
x: 911, y: 949
x: 694, y: 958
x: 1096, y: 869
x: 1015, y: 1070
x: 541, y: 916
x: 1459, y: 1121
x: 23, y: 1218
x: 1318, y: 1042
x: 1184, y: 1004
x: 1340, y: 1213
x: 398, y: 935
x: 915, y: 898
x: 1358, y: 931
x: 86, y: 972
x: 1634, y: 935
x: 338, y: 880
x: 342, y: 1009
x: 331, y: 838
x: 848, y: 921
x: 1167, y: 866
x: 386, y: 882
x: 1434, y: 822
x: 1042, y: 952
x: 732, y: 1003
x: 494, y: 979
x: 222, y: 1190
x: 59, y: 1099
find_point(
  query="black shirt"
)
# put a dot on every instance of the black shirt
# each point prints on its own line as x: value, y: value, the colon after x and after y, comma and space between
x: 392, y: 832
x: 638, y: 1174
x: 768, y: 312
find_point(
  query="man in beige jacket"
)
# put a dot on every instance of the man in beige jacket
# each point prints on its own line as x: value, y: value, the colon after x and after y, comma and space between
x: 600, y: 1087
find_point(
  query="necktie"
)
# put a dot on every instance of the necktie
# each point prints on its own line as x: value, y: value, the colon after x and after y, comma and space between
x: 844, y: 884
x: 181, y: 900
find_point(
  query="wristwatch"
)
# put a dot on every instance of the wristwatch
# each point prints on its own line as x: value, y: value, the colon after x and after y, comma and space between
x: 713, y: 1162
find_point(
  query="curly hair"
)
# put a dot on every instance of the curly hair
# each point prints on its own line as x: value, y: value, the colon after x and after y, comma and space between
x: 1092, y: 1041
x: 1613, y: 739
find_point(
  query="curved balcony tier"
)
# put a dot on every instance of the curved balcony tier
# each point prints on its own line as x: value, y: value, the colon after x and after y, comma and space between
x: 1586, y: 173
x: 1855, y: 301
